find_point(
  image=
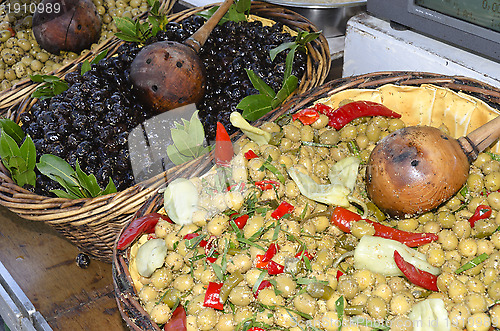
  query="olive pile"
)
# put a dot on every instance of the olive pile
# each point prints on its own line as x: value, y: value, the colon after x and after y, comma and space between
x: 20, y: 54
x: 90, y: 121
x: 230, y: 49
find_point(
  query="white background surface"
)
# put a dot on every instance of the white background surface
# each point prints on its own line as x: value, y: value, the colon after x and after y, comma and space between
x: 372, y: 45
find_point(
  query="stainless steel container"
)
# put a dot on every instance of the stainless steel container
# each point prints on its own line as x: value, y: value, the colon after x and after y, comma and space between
x: 330, y: 16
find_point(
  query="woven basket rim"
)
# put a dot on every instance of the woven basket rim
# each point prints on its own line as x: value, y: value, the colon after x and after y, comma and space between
x: 108, y: 213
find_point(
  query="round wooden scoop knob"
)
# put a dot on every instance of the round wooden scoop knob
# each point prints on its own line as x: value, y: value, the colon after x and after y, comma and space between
x: 415, y: 169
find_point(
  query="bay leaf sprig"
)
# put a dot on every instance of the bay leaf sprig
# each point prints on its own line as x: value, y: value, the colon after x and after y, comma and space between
x: 238, y: 12
x: 87, y: 65
x: 188, y: 140
x: 257, y: 105
x: 139, y: 31
x: 19, y: 161
x: 51, y: 86
x: 76, y: 183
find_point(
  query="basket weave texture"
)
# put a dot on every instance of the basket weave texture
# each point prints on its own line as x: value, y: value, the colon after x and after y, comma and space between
x: 92, y: 224
x: 128, y: 303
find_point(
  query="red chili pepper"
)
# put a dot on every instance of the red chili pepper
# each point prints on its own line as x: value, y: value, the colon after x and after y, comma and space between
x: 212, y: 296
x: 343, y: 218
x: 264, y: 284
x: 270, y: 253
x: 223, y: 146
x: 259, y: 263
x: 138, y: 226
x: 241, y: 221
x: 418, y: 277
x: 267, y: 184
x: 482, y: 212
x: 274, y: 268
x: 283, y: 209
x: 255, y: 328
x: 339, y: 273
x: 306, y: 116
x: 344, y: 114
x: 178, y: 320
x: 304, y: 253
x: 250, y: 155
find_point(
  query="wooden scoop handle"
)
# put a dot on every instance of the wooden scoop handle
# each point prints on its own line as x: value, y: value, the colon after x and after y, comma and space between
x: 479, y: 139
x: 198, y: 39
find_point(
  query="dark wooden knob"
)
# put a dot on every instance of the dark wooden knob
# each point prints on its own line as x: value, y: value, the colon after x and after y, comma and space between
x: 168, y: 75
x: 414, y: 170
x: 70, y: 25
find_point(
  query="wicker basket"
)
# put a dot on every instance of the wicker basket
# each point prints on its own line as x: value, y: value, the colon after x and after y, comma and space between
x: 93, y: 224
x: 126, y: 296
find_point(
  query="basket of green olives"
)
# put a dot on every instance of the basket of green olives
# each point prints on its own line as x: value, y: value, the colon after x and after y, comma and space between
x: 285, y: 235
x: 81, y: 180
x: 31, y: 33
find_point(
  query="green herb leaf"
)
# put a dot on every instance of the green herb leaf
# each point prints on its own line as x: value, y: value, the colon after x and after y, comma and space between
x: 289, y: 86
x: 255, y: 106
x: 12, y: 129
x: 259, y: 84
x: 57, y: 169
x: 188, y: 140
x: 275, y: 51
x: 473, y: 263
x: 52, y: 85
x: 76, y: 182
x: 339, y: 307
x: 28, y: 153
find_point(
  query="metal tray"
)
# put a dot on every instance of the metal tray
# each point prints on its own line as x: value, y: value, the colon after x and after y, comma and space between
x: 317, y: 3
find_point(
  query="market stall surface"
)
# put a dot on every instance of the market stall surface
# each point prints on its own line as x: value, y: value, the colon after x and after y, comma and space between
x: 43, y: 264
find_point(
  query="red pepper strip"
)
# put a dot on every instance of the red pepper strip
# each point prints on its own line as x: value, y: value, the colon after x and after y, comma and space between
x: 209, y: 251
x: 178, y: 320
x: 306, y: 116
x: 274, y: 268
x: 352, y: 110
x: 283, y: 209
x: 223, y: 146
x: 259, y: 263
x: 138, y: 226
x: 255, y: 328
x: 418, y: 277
x: 264, y: 284
x: 482, y: 212
x: 267, y: 184
x: 304, y: 253
x: 270, y: 253
x: 410, y: 239
x: 342, y: 218
x: 241, y: 221
x: 212, y: 296
x: 250, y: 155
x: 339, y: 273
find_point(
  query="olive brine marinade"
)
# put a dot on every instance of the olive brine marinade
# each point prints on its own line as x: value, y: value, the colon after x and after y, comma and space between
x: 91, y: 120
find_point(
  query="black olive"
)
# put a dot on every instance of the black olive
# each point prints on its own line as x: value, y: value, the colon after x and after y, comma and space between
x: 82, y: 260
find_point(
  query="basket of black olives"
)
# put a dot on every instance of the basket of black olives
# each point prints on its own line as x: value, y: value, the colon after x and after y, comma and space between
x: 68, y: 163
